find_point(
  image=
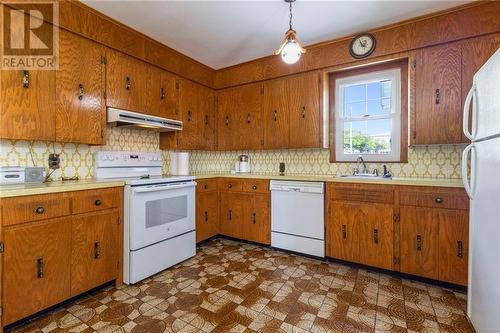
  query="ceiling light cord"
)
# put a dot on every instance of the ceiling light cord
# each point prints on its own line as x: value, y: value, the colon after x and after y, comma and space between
x: 291, y: 16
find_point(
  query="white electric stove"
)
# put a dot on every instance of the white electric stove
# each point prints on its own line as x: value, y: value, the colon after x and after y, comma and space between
x: 159, y: 219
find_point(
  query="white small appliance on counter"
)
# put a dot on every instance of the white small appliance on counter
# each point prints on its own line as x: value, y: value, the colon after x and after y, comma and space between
x: 21, y: 175
x: 159, y: 219
x: 242, y: 165
x: 297, y: 216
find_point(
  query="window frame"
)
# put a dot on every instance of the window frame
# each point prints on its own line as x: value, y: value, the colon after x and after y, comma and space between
x: 400, y: 119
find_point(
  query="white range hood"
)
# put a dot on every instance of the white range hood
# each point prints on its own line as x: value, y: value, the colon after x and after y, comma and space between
x: 124, y: 118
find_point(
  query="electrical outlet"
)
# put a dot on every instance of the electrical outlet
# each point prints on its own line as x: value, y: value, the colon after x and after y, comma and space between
x: 54, y: 161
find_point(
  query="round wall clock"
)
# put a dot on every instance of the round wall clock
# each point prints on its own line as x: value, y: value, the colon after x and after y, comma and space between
x: 362, y: 45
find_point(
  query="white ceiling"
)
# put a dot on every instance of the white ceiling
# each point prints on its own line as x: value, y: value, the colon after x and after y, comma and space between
x: 224, y: 33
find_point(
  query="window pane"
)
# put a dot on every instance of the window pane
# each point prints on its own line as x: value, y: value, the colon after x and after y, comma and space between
x: 357, y: 109
x: 379, y: 106
x: 355, y: 93
x: 386, y: 88
x: 374, y: 90
x: 367, y: 136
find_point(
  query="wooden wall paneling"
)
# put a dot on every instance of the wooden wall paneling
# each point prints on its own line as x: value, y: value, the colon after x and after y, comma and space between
x: 475, y: 52
x: 37, y: 258
x: 275, y: 115
x: 443, y: 27
x: 304, y: 99
x: 80, y: 85
x: 438, y: 111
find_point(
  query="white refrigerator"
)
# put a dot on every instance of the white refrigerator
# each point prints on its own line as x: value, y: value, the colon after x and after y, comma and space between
x: 481, y: 178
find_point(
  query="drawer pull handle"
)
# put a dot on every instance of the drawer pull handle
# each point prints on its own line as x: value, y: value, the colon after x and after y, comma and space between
x: 438, y: 200
x: 419, y: 243
x: 254, y: 187
x: 97, y: 250
x: 254, y: 218
x: 128, y: 83
x: 39, y: 267
x: 206, y: 216
x: 206, y: 119
x: 303, y: 112
x: 190, y: 115
x: 460, y: 249
x: 81, y: 91
x: 275, y: 115
x: 227, y: 121
x: 438, y: 96
x: 375, y: 236
x: 98, y: 202
x: 230, y: 214
x: 40, y: 210
x: 230, y: 185
x: 344, y: 231
x: 26, y: 79
x: 205, y: 187
x: 162, y: 93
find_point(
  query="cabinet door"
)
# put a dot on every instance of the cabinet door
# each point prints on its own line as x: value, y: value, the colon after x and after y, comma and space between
x: 275, y: 117
x: 304, y: 108
x: 257, y: 220
x: 342, y: 231
x: 27, y: 105
x: 126, y: 82
x: 453, y: 245
x: 232, y: 214
x: 438, y: 105
x: 80, y: 107
x: 161, y: 93
x: 196, y: 105
x: 475, y: 52
x: 207, y: 215
x: 94, y: 253
x: 37, y: 258
x: 376, y: 239
x: 419, y: 229
x: 227, y: 120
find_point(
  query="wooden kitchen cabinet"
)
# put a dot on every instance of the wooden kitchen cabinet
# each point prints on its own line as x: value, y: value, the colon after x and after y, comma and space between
x: 438, y: 105
x: 94, y: 250
x: 341, y: 232
x: 232, y: 214
x: 161, y: 100
x: 239, y: 122
x: 80, y: 88
x: 27, y: 105
x: 276, y: 115
x: 256, y: 223
x: 207, y: 209
x: 37, y: 257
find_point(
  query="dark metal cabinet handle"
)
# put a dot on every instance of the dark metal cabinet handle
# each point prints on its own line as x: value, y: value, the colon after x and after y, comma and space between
x: 227, y: 120
x: 344, y: 231
x: 230, y: 214
x: 39, y: 267
x: 254, y: 187
x: 81, y: 91
x: 230, y: 185
x: 39, y: 210
x: 205, y: 187
x: 438, y: 200
x: 162, y: 93
x: 97, y: 250
x: 460, y: 249
x: 26, y: 79
x: 275, y: 115
x: 254, y: 218
x: 206, y: 119
x: 249, y: 118
x: 190, y: 115
x: 438, y: 96
x: 206, y: 216
x: 303, y: 112
x: 375, y: 236
x: 419, y: 243
x: 98, y: 202
x: 128, y: 83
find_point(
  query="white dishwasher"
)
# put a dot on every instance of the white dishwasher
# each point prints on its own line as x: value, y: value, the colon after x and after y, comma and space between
x: 297, y: 216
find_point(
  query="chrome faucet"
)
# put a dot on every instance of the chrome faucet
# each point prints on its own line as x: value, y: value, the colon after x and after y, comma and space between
x: 361, y: 162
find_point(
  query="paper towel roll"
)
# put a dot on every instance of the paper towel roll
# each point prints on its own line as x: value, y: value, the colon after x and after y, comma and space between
x: 174, y: 163
x: 183, y: 164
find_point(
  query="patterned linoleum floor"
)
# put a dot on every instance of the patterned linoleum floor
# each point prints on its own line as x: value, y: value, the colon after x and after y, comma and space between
x: 235, y: 287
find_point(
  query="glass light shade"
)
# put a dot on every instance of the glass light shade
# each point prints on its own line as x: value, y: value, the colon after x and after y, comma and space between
x: 290, y: 53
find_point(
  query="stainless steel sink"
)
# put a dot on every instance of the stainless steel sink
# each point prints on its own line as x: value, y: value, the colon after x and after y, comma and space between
x: 364, y: 176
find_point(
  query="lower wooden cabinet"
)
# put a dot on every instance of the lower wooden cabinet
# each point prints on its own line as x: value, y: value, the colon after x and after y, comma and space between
x: 37, y: 266
x: 94, y: 250
x: 232, y: 210
x: 207, y: 215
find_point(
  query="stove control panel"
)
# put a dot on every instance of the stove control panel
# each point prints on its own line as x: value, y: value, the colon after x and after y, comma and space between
x: 105, y: 159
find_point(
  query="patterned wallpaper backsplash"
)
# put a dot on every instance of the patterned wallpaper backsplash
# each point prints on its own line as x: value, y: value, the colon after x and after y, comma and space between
x: 442, y: 161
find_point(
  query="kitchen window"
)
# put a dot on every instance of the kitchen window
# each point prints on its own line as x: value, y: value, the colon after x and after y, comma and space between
x: 369, y: 114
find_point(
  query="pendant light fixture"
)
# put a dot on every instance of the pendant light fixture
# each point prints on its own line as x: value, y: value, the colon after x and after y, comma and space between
x: 290, y: 48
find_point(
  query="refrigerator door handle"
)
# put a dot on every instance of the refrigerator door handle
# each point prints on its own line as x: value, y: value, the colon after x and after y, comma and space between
x: 469, y: 186
x: 471, y: 97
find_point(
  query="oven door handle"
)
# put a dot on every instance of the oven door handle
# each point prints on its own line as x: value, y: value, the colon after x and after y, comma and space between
x: 163, y: 187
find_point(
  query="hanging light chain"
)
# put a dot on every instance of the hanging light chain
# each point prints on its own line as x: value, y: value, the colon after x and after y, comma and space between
x: 291, y: 15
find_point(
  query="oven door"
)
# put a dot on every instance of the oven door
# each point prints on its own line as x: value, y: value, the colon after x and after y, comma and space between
x: 161, y: 211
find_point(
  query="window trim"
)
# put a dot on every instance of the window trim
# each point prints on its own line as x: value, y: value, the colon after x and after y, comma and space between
x: 351, y: 74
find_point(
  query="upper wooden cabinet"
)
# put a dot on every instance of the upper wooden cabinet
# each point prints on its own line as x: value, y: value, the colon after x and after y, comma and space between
x: 27, y: 105
x: 80, y: 106
x: 162, y: 94
x: 239, y: 117
x: 292, y: 115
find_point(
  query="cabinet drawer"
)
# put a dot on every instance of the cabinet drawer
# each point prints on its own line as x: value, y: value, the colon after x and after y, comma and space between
x: 256, y: 185
x: 206, y: 185
x: 34, y: 208
x: 438, y: 198
x: 361, y: 192
x: 94, y: 200
x: 231, y: 185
